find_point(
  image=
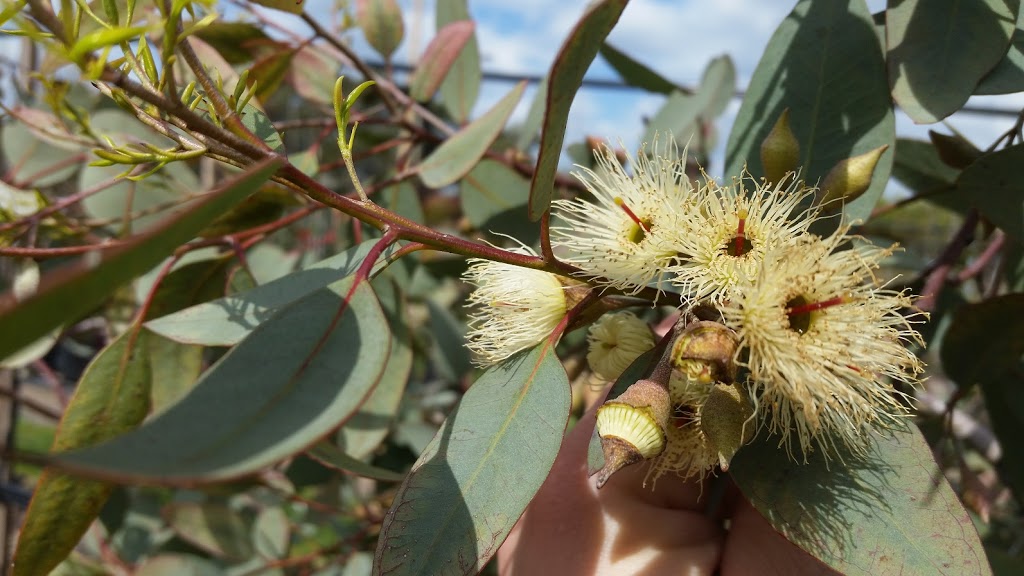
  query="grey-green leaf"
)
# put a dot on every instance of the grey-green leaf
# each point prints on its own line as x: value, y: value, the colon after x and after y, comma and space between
x: 890, y: 512
x: 462, y: 83
x: 298, y: 376
x: 438, y: 59
x: 939, y: 50
x: 457, y: 156
x: 565, y: 78
x: 225, y: 321
x: 636, y: 73
x: 490, y: 189
x: 75, y: 289
x: 825, y: 64
x: 1008, y: 75
x: 993, y: 185
x: 502, y: 439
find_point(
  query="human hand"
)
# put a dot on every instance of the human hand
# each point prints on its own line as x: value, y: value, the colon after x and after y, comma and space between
x: 571, y: 528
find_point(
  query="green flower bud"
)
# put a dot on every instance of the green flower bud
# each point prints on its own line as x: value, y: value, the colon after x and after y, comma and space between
x: 780, y: 150
x: 850, y: 178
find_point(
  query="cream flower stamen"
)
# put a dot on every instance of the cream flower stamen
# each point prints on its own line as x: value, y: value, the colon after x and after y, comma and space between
x: 624, y: 237
x: 513, y: 308
x: 824, y: 343
x: 728, y: 235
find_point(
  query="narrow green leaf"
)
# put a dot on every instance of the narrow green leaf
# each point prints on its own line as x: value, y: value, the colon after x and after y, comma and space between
x: 457, y: 156
x: 298, y: 376
x: 635, y: 73
x: 381, y: 21
x: 75, y: 289
x: 993, y: 185
x: 717, y: 86
x: 534, y: 117
x: 212, y: 527
x: 983, y: 347
x: 938, y: 51
x: 501, y: 440
x: 226, y: 321
x: 268, y: 73
x: 404, y: 199
x: 491, y: 188
x: 891, y: 512
x: 461, y: 85
x: 102, y: 38
x: 112, y: 397
x: 566, y: 76
x: 329, y: 455
x: 438, y: 58
x: 825, y: 64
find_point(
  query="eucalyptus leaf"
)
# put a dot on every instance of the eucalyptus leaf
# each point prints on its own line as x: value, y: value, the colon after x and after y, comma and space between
x: 933, y: 74
x: 888, y: 512
x: 564, y: 79
x: 298, y: 376
x: 824, y: 62
x: 501, y: 439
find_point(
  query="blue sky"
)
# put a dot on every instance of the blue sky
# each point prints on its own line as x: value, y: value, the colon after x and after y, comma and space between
x: 675, y: 37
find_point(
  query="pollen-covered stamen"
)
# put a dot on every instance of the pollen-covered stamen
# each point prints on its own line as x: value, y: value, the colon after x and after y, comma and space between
x: 800, y: 309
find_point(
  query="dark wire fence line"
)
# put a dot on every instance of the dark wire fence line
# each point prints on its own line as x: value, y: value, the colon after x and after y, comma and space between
x: 611, y: 84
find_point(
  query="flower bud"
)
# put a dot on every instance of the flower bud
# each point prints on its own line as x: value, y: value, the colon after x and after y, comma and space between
x: 955, y: 150
x: 632, y: 427
x: 724, y: 418
x: 780, y: 150
x: 850, y: 178
x: 615, y: 341
x: 705, y: 352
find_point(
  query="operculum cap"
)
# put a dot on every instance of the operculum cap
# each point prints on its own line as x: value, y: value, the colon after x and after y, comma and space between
x: 705, y: 352
x: 725, y: 419
x: 632, y: 427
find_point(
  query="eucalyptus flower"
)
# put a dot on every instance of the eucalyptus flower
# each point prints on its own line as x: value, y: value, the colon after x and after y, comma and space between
x: 733, y: 227
x: 512, y: 308
x: 615, y: 341
x: 625, y: 235
x: 824, y: 342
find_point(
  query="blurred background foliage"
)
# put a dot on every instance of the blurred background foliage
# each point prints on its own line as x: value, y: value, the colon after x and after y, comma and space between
x: 297, y: 499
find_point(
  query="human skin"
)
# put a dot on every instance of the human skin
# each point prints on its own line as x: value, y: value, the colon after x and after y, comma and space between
x: 573, y: 529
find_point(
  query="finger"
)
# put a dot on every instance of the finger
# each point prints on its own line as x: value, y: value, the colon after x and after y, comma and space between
x: 571, y: 528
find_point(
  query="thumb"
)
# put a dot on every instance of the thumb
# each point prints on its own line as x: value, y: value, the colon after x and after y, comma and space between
x: 571, y: 528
